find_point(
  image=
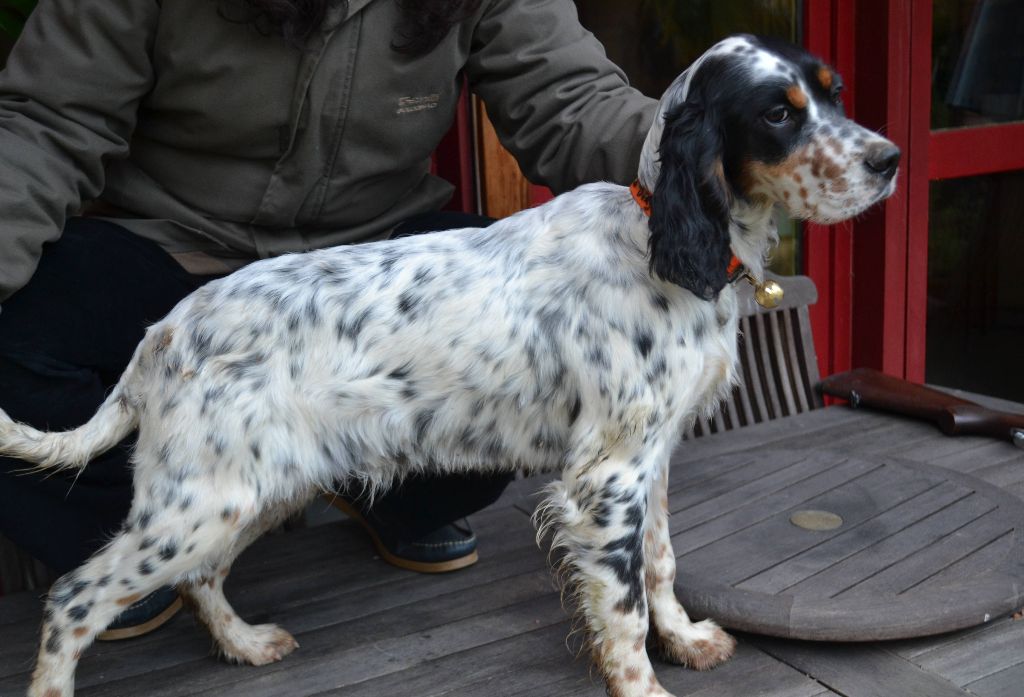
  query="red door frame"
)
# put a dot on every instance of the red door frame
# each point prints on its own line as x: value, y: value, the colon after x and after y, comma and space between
x: 875, y: 280
x: 871, y: 274
x: 890, y: 243
x: 827, y: 250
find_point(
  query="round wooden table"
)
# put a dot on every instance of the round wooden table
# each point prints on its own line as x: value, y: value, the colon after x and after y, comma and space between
x: 827, y: 545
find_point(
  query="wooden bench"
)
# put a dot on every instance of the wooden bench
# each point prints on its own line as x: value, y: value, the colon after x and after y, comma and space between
x: 778, y: 365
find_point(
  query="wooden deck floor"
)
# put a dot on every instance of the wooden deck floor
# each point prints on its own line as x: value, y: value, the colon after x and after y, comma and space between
x: 498, y: 629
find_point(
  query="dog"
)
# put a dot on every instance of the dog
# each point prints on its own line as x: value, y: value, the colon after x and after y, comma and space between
x: 582, y: 335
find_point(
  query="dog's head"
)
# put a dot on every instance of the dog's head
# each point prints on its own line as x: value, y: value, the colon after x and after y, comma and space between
x: 751, y: 124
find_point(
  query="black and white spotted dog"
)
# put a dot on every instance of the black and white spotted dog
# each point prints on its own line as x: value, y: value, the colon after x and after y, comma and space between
x: 580, y: 335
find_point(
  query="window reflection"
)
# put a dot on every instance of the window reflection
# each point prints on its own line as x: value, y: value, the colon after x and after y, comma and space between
x: 978, y: 62
x: 654, y: 40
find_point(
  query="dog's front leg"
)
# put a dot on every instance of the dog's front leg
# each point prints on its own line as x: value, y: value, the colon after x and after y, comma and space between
x: 598, y: 513
x: 701, y: 645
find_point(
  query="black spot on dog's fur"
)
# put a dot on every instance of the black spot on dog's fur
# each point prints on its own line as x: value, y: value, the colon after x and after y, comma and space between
x: 53, y: 642
x: 168, y: 551
x: 643, y: 342
x: 78, y: 613
x: 624, y: 556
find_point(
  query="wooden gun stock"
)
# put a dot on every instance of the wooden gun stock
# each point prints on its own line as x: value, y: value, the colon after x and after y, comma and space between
x: 955, y: 416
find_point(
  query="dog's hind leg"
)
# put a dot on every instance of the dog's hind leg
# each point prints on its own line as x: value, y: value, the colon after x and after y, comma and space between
x: 701, y: 645
x: 237, y: 640
x: 156, y: 547
x: 598, y: 514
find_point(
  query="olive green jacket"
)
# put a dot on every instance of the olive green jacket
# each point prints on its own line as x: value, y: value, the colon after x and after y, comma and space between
x: 194, y: 130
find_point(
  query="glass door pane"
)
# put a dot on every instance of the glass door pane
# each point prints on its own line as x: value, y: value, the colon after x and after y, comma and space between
x: 975, y: 294
x: 654, y: 40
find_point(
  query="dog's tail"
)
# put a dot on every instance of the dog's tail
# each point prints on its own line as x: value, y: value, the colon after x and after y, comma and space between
x: 72, y: 450
x: 69, y: 450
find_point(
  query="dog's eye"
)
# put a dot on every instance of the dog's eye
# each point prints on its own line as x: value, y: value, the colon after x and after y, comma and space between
x: 777, y: 115
x: 837, y: 95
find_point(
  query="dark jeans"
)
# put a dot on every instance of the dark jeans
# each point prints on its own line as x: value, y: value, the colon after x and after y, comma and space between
x: 66, y: 337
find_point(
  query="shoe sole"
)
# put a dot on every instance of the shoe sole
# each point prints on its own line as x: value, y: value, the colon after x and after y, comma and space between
x: 144, y: 628
x: 423, y: 567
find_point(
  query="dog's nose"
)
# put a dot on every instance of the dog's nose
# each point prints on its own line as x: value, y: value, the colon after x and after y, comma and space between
x: 883, y: 159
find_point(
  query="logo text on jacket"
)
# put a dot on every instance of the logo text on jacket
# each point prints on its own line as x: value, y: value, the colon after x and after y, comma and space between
x: 409, y: 105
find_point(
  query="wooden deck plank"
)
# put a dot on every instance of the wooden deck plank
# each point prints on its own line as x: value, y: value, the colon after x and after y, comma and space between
x: 568, y: 687
x: 283, y: 563
x: 539, y: 665
x: 327, y: 667
x: 749, y: 672
x: 910, y: 648
x: 859, y: 670
x: 972, y: 658
x: 1005, y: 683
x: 325, y: 595
x: 337, y: 574
x: 508, y: 666
x: 987, y: 660
x: 315, y: 551
x: 321, y: 652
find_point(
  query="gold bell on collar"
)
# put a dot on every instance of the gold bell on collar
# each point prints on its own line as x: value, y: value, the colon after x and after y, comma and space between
x: 767, y: 294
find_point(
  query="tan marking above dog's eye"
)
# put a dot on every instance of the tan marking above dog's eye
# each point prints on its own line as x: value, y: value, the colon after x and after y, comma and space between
x: 825, y: 76
x: 796, y: 96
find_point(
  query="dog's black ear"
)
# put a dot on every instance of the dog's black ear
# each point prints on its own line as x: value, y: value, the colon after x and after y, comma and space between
x: 689, y: 223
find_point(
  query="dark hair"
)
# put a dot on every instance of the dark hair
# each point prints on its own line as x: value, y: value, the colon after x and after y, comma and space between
x: 689, y: 223
x: 424, y: 22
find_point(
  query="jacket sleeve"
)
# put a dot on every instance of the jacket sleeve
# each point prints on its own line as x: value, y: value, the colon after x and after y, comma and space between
x: 557, y: 102
x: 68, y: 100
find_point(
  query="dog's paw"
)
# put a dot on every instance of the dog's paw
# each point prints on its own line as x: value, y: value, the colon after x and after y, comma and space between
x: 635, y: 685
x: 631, y: 676
x: 259, y: 645
x: 48, y: 691
x: 701, y: 646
